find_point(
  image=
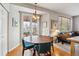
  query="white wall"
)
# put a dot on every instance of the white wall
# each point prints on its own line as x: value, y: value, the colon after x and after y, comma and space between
x: 14, y: 37
x: 76, y: 23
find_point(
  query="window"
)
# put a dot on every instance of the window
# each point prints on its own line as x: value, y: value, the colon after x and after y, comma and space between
x: 65, y: 24
x: 30, y: 26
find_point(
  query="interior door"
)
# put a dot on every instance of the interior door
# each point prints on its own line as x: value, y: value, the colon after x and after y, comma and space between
x: 3, y: 30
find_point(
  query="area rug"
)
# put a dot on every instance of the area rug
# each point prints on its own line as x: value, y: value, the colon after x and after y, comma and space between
x: 66, y: 47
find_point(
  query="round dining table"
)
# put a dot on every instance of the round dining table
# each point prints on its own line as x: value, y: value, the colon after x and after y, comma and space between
x: 36, y: 40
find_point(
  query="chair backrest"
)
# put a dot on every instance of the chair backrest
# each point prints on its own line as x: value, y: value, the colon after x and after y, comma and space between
x: 23, y: 43
x: 44, y: 47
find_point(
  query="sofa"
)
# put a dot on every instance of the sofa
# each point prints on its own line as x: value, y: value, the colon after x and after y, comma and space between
x: 63, y: 35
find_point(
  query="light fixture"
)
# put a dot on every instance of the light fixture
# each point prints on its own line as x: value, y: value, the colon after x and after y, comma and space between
x: 35, y: 16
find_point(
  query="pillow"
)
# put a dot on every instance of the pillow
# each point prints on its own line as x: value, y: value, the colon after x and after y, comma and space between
x: 72, y: 34
x: 61, y: 33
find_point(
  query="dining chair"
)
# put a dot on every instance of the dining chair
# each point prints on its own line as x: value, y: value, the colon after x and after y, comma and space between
x: 43, y: 49
x: 26, y: 45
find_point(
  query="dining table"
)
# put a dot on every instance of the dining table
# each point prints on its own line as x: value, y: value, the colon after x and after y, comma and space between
x: 73, y: 40
x: 36, y: 40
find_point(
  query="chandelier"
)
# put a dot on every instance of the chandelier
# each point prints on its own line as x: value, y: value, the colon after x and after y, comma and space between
x: 35, y: 16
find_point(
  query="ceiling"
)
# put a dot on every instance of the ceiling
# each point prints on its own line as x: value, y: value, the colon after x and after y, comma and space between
x: 66, y: 8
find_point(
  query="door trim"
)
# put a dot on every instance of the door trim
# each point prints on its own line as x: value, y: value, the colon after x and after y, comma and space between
x: 7, y: 26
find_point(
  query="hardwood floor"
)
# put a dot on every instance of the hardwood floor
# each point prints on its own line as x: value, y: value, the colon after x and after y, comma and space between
x: 18, y: 52
x: 59, y: 52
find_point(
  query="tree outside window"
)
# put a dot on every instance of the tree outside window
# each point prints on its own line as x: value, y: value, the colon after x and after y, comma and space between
x: 65, y: 24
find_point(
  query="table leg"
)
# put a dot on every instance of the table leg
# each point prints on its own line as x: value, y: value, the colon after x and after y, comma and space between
x: 72, y: 49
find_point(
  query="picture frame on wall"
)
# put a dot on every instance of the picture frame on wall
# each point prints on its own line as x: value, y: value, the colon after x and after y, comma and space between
x: 54, y: 23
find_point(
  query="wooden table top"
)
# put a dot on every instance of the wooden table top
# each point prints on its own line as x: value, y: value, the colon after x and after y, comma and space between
x: 38, y: 39
x: 74, y: 39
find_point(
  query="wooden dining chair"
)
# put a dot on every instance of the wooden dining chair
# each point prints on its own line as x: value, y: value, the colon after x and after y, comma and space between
x: 26, y: 45
x: 43, y: 49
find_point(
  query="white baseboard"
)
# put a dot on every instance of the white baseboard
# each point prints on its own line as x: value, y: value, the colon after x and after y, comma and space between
x: 14, y: 47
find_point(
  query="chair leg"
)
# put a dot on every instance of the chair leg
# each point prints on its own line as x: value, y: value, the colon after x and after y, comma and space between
x: 53, y: 48
x: 34, y: 52
x: 23, y: 52
x: 38, y: 54
x: 62, y: 42
x: 50, y: 53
